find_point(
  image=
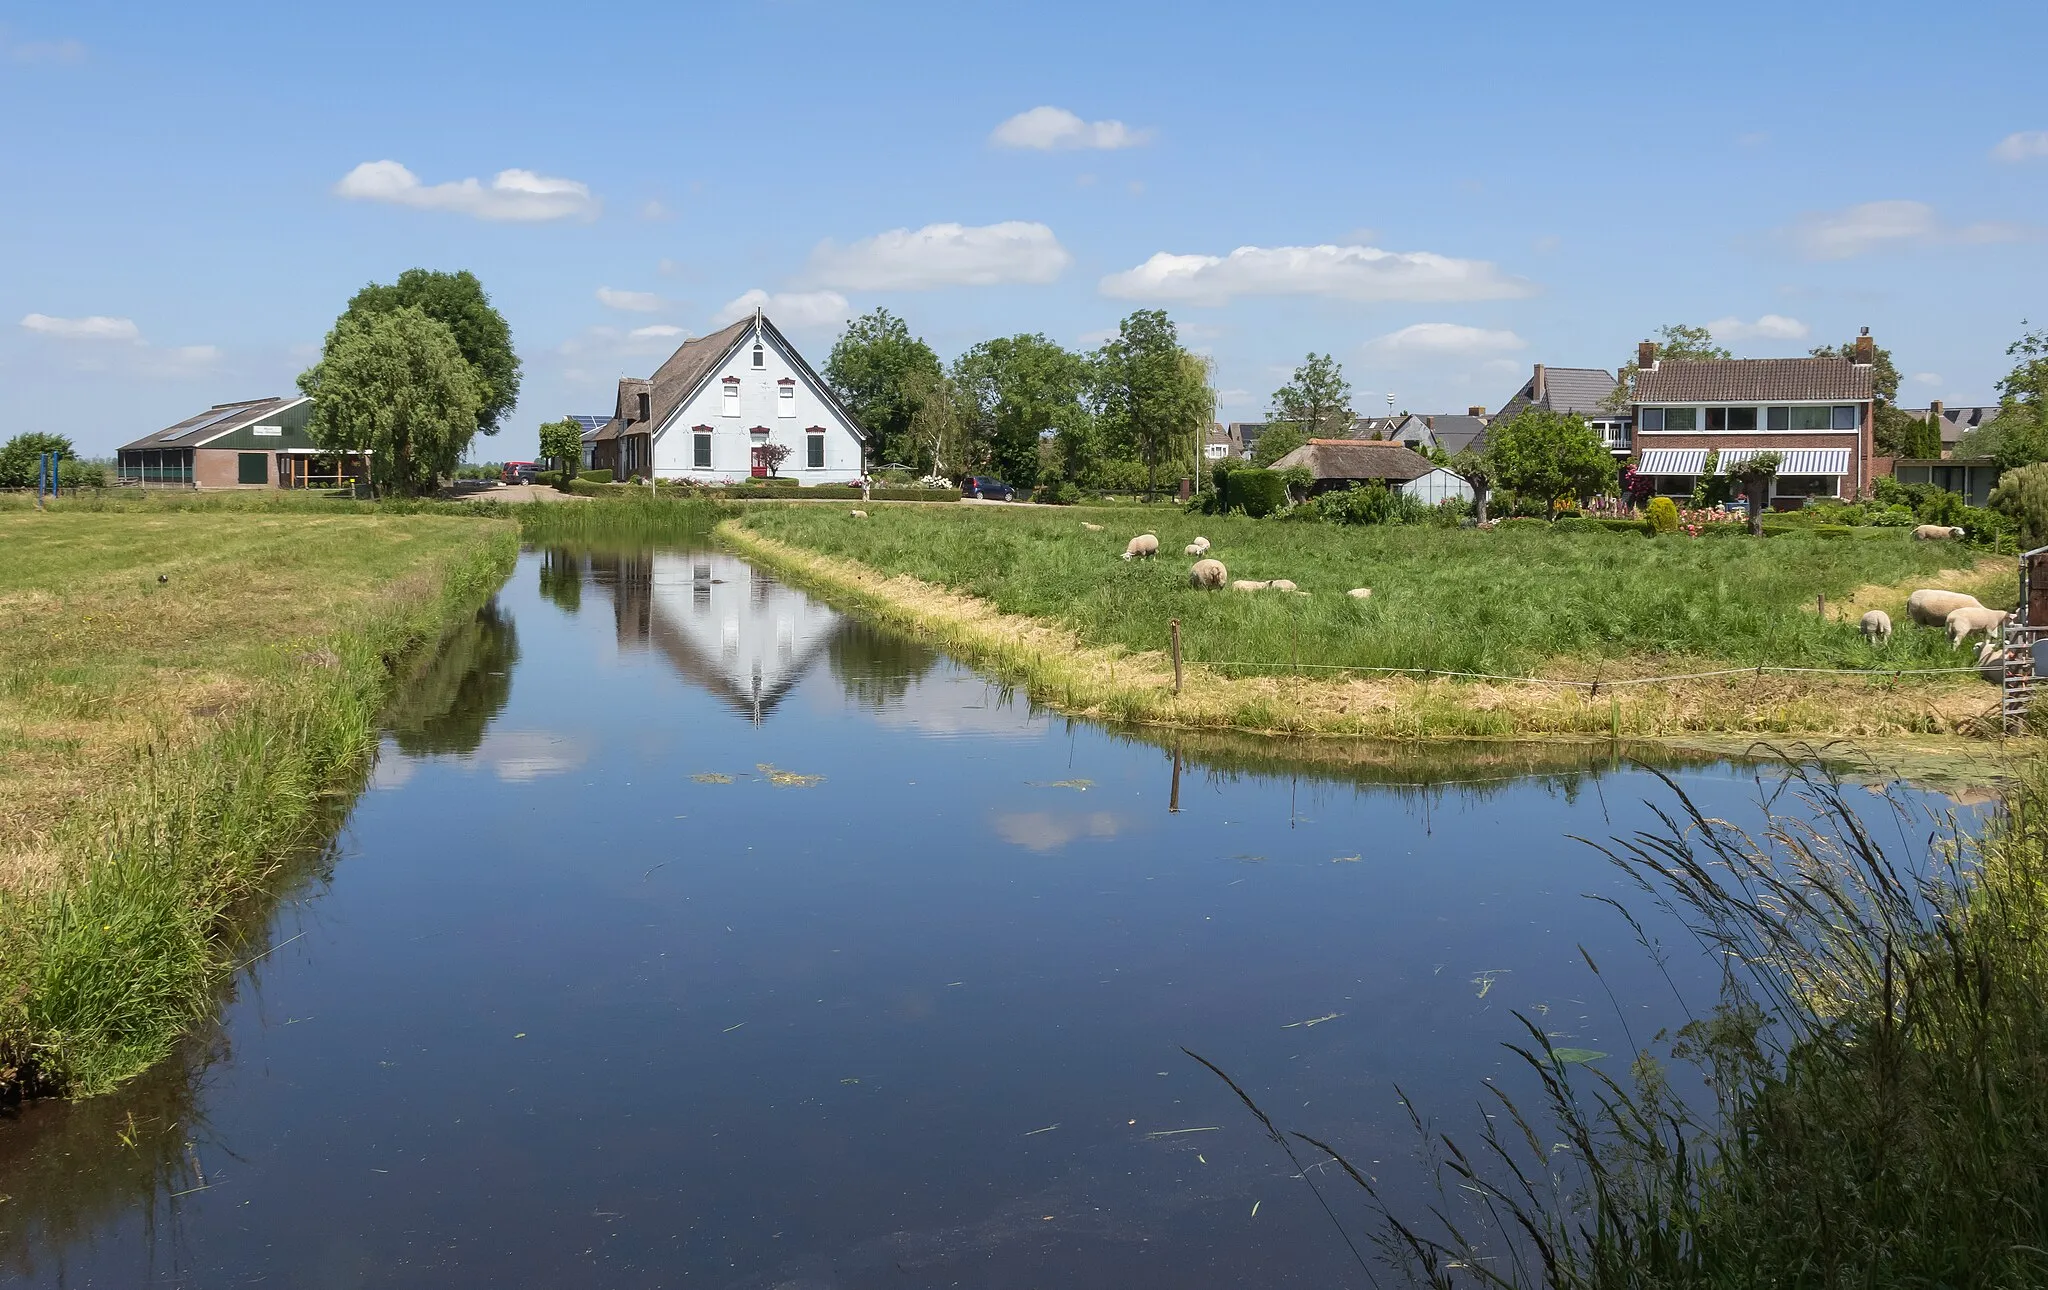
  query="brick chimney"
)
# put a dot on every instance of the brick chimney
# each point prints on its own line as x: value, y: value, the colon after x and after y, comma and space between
x: 1934, y: 411
x: 1866, y: 349
x: 1475, y: 410
x: 1646, y: 355
x: 1429, y: 422
x: 1537, y: 386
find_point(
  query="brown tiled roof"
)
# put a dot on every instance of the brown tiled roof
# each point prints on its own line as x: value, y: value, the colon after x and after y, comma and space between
x: 1356, y: 459
x: 1753, y: 380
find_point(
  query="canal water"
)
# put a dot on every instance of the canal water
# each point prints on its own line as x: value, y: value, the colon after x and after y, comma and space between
x: 691, y: 933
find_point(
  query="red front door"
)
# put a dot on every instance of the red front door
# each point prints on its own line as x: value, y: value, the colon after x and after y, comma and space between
x: 760, y: 463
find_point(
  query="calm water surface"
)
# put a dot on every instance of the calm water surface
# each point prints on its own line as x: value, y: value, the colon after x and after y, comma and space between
x: 690, y: 933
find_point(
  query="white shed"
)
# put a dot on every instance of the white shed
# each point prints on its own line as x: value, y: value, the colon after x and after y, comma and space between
x: 1439, y: 485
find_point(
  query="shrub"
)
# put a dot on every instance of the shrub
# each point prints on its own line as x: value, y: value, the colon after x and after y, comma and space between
x: 596, y: 477
x: 2022, y: 497
x: 1983, y: 526
x: 552, y: 478
x: 1450, y: 512
x: 1663, y: 513
x: 1578, y: 524
x: 833, y: 491
x: 1372, y: 503
x: 72, y: 473
x: 1255, y: 491
x: 1523, y: 522
x: 1640, y: 527
x: 1064, y: 493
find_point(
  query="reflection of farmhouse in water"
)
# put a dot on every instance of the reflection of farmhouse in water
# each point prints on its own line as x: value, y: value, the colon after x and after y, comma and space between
x: 725, y: 625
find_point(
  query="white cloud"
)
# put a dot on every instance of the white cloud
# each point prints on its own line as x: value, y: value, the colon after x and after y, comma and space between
x: 1363, y: 273
x: 92, y: 327
x: 942, y: 255
x: 1926, y: 378
x: 639, y: 302
x: 1768, y: 327
x: 519, y: 196
x: 2022, y: 145
x: 657, y: 331
x: 1442, y: 339
x: 1047, y: 129
x: 1876, y: 226
x: 788, y: 308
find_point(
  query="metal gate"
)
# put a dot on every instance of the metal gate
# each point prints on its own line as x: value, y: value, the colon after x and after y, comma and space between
x: 2026, y: 642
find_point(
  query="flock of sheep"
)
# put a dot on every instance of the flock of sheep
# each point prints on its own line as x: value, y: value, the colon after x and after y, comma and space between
x: 1209, y: 574
x: 1960, y: 615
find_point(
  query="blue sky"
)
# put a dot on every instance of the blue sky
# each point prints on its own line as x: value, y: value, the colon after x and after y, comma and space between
x: 1437, y: 195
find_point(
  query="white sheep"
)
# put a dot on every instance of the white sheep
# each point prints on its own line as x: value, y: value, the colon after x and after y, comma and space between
x: 1246, y: 584
x: 1281, y: 584
x: 1092, y: 528
x: 1194, y: 548
x: 860, y: 515
x: 1965, y: 623
x: 1931, y: 608
x: 1991, y: 661
x: 1142, y: 547
x: 1208, y: 575
x: 1202, y: 542
x: 1877, y: 627
x: 1935, y: 533
x: 1360, y: 593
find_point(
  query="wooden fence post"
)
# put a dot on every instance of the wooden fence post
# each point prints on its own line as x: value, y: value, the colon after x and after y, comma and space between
x: 1176, y: 657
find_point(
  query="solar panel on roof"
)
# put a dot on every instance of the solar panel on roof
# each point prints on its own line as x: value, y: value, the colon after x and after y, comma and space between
x: 213, y: 420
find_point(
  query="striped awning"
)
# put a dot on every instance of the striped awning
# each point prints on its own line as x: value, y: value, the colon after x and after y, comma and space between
x: 1672, y: 461
x: 1796, y: 461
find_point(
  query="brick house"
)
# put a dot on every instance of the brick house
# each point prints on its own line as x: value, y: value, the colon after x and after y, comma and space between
x: 1816, y: 412
x: 257, y: 443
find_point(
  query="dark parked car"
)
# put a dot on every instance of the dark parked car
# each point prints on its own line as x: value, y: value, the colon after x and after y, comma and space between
x: 982, y: 486
x: 519, y: 472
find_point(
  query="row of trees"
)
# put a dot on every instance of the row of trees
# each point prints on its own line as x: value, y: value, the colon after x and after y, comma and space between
x: 1024, y: 407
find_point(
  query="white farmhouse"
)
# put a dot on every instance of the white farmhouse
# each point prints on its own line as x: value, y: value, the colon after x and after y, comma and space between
x: 710, y: 412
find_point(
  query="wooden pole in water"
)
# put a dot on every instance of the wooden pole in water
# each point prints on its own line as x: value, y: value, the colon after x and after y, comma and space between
x: 1176, y: 684
x: 1173, y: 802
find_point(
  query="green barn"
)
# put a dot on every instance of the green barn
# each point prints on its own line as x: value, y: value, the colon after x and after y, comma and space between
x: 257, y: 443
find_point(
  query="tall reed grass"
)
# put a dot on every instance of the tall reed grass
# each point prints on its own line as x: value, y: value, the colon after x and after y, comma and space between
x: 1875, y: 1074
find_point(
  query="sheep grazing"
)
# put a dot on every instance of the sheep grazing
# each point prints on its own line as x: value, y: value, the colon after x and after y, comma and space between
x: 1281, y: 584
x: 1194, y: 548
x: 1877, y: 627
x: 1208, y: 575
x: 1965, y: 623
x: 1092, y: 528
x: 1935, y: 533
x: 860, y: 515
x: 1991, y: 661
x: 1931, y: 608
x: 1246, y: 584
x: 1201, y: 542
x: 1142, y: 547
x: 1360, y: 593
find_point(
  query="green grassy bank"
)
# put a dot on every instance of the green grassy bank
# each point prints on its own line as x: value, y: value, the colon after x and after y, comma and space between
x: 1046, y: 598
x: 182, y: 688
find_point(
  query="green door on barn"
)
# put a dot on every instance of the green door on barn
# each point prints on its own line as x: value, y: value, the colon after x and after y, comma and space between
x: 252, y: 467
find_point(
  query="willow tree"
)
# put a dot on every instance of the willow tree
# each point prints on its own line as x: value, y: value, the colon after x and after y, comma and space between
x: 1150, y: 396
x: 395, y: 385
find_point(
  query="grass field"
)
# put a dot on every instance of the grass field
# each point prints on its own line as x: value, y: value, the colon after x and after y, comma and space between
x: 179, y: 689
x: 1506, y: 603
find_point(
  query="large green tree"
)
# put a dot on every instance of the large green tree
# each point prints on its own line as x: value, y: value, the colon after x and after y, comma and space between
x: 1678, y: 341
x: 1277, y: 440
x: 1017, y: 388
x: 395, y: 384
x: 1317, y: 400
x: 18, y: 460
x: 458, y: 302
x: 1148, y: 397
x: 1542, y: 456
x: 871, y: 369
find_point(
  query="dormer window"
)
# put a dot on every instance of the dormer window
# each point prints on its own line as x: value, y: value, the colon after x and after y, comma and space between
x: 760, y: 355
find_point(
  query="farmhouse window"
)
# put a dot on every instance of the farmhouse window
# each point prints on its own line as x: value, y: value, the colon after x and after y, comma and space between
x: 731, y: 406
x: 785, y: 401
x: 701, y: 451
x: 760, y: 355
x: 814, y: 450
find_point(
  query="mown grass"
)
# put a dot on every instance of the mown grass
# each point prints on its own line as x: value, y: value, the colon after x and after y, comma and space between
x: 1505, y: 602
x: 1872, y: 1105
x: 180, y: 688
